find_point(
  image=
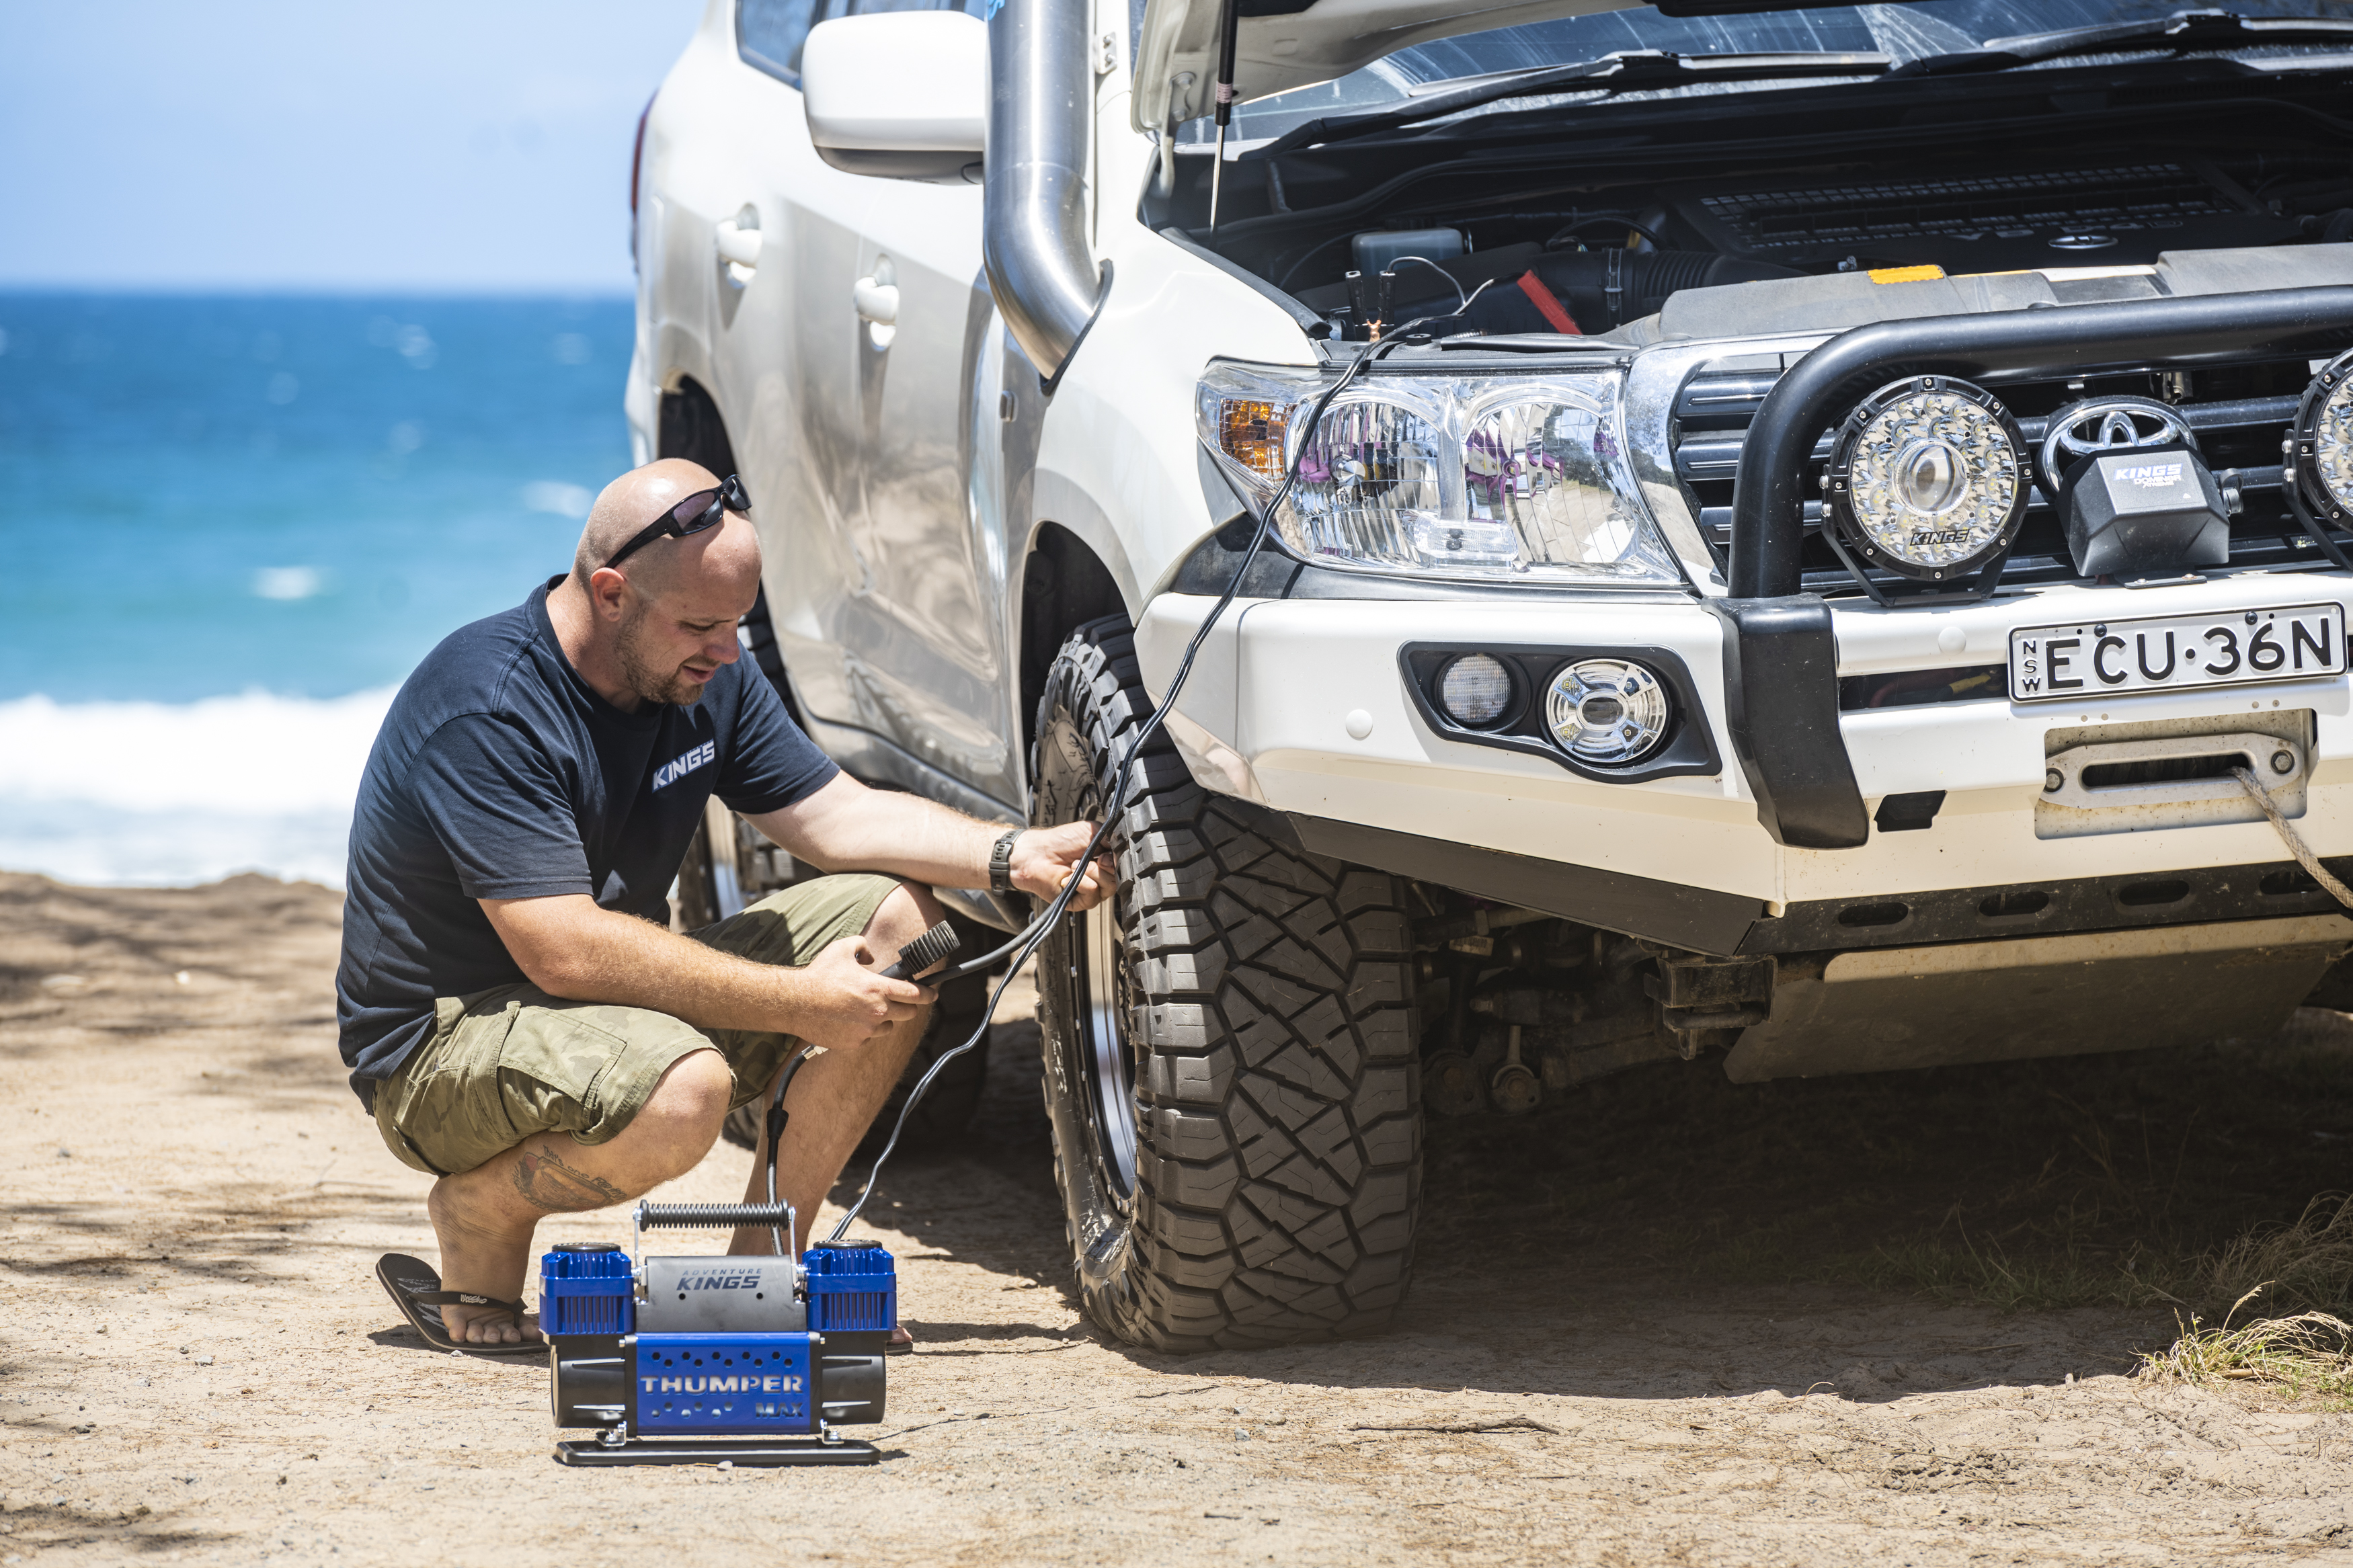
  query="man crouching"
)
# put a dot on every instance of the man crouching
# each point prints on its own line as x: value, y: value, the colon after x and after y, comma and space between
x: 516, y: 1014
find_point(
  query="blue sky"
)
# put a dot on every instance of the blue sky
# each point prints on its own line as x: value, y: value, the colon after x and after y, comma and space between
x: 426, y: 145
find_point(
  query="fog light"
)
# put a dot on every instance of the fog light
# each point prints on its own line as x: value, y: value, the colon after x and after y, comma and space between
x: 1476, y: 689
x: 1608, y: 712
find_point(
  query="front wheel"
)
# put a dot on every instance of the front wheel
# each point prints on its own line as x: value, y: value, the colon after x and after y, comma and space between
x: 1231, y: 1065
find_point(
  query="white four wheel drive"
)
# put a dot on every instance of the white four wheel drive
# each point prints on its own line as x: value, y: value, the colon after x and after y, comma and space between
x: 1829, y: 557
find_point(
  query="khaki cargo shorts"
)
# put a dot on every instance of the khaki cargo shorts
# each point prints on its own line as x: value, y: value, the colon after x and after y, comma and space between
x: 502, y: 1065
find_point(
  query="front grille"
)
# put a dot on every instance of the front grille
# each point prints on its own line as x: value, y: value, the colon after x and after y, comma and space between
x: 2240, y: 413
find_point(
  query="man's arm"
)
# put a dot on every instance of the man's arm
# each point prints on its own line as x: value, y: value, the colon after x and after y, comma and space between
x: 568, y: 947
x: 846, y: 827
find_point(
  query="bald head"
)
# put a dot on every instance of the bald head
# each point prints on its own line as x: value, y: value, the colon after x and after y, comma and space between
x: 657, y: 626
x: 637, y: 499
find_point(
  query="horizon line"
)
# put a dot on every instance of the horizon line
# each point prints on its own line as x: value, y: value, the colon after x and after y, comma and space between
x: 320, y: 290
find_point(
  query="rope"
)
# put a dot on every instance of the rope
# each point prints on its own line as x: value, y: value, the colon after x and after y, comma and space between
x: 2295, y: 844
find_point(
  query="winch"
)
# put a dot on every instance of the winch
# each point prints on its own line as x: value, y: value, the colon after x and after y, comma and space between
x: 748, y: 1360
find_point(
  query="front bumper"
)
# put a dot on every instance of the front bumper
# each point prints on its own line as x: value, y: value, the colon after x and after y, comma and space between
x: 1301, y: 706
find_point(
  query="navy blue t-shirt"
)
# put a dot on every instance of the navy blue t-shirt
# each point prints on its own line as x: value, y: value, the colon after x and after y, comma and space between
x: 499, y: 773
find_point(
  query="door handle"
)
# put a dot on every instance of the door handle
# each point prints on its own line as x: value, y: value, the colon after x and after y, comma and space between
x: 876, y: 295
x: 739, y: 248
x: 876, y: 301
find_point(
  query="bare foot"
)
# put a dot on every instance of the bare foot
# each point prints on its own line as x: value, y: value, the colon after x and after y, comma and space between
x: 481, y: 1254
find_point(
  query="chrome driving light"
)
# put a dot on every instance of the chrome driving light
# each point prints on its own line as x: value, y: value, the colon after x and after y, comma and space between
x: 1521, y: 480
x: 1475, y: 690
x: 2318, y: 454
x: 1928, y: 479
x: 1608, y: 712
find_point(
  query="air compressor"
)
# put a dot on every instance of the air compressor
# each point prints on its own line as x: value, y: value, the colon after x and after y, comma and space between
x: 745, y: 1360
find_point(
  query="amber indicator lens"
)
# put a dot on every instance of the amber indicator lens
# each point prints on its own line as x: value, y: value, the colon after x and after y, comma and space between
x: 1251, y: 434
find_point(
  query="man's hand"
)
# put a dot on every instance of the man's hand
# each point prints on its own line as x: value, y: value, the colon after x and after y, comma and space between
x: 846, y: 1003
x: 1045, y: 857
x: 568, y: 947
x: 845, y: 826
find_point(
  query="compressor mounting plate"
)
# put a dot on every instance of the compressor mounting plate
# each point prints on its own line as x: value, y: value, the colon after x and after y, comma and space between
x: 690, y: 1451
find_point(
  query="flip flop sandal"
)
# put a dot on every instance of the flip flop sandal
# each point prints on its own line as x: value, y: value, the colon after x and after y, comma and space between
x: 417, y: 1291
x: 902, y: 1343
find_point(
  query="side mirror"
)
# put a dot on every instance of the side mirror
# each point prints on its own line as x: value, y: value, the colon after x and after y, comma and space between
x: 902, y: 95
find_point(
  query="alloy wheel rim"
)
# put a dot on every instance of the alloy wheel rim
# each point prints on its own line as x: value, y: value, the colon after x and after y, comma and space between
x: 1110, y: 1067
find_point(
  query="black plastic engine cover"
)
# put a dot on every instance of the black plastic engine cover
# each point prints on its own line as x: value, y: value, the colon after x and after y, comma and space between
x: 2149, y: 511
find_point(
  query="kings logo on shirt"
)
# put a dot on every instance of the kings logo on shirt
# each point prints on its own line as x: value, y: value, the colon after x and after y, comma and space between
x: 669, y: 772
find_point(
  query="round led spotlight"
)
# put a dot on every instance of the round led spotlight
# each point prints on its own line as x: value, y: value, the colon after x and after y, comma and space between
x: 1928, y: 479
x: 1608, y: 712
x: 2318, y: 450
x: 1475, y: 690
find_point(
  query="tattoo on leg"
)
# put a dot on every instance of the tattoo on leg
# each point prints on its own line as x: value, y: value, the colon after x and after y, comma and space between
x: 546, y: 1182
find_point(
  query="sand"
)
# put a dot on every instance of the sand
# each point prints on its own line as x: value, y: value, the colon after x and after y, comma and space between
x: 195, y: 1364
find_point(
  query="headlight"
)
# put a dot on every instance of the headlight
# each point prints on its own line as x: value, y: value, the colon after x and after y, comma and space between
x: 2319, y: 447
x: 1368, y: 488
x: 1927, y: 479
x: 1522, y: 481
x: 1608, y: 712
x: 1541, y: 471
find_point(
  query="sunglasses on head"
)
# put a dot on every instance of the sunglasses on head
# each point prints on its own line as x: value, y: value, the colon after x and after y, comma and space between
x: 703, y: 509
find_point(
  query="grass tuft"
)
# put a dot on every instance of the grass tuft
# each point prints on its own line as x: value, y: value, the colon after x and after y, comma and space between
x: 1969, y: 1269
x: 2309, y: 1263
x: 2306, y: 1357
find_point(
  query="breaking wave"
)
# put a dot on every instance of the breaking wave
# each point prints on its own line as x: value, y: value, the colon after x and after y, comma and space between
x: 158, y: 793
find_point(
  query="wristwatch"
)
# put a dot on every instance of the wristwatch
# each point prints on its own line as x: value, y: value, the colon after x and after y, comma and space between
x: 1000, y: 863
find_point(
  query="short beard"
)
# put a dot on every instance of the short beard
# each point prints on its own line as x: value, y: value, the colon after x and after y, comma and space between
x: 644, y: 682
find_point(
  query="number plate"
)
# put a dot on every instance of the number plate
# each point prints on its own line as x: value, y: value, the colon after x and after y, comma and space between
x: 2176, y: 653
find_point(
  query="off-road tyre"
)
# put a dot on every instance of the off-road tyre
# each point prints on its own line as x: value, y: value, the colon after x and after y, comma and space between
x: 1262, y: 1006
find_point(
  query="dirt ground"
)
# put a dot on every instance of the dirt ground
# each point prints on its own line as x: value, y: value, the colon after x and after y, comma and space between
x: 1673, y: 1323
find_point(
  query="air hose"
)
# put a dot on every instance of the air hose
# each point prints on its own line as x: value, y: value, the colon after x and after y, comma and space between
x: 1019, y: 949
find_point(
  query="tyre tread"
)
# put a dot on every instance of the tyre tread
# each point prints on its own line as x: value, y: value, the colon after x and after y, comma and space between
x: 1279, y: 1159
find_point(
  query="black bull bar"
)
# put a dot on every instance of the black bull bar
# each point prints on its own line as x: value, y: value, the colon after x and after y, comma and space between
x: 1781, y: 655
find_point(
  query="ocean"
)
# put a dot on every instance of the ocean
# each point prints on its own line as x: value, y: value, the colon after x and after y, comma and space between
x: 232, y: 525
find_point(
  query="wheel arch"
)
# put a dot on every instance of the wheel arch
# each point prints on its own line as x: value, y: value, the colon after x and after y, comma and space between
x: 1065, y: 582
x: 690, y: 426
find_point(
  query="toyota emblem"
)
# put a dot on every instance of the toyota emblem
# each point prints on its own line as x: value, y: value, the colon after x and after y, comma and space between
x: 2110, y: 424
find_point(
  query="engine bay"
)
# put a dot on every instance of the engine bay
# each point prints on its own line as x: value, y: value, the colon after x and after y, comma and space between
x: 1533, y: 223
